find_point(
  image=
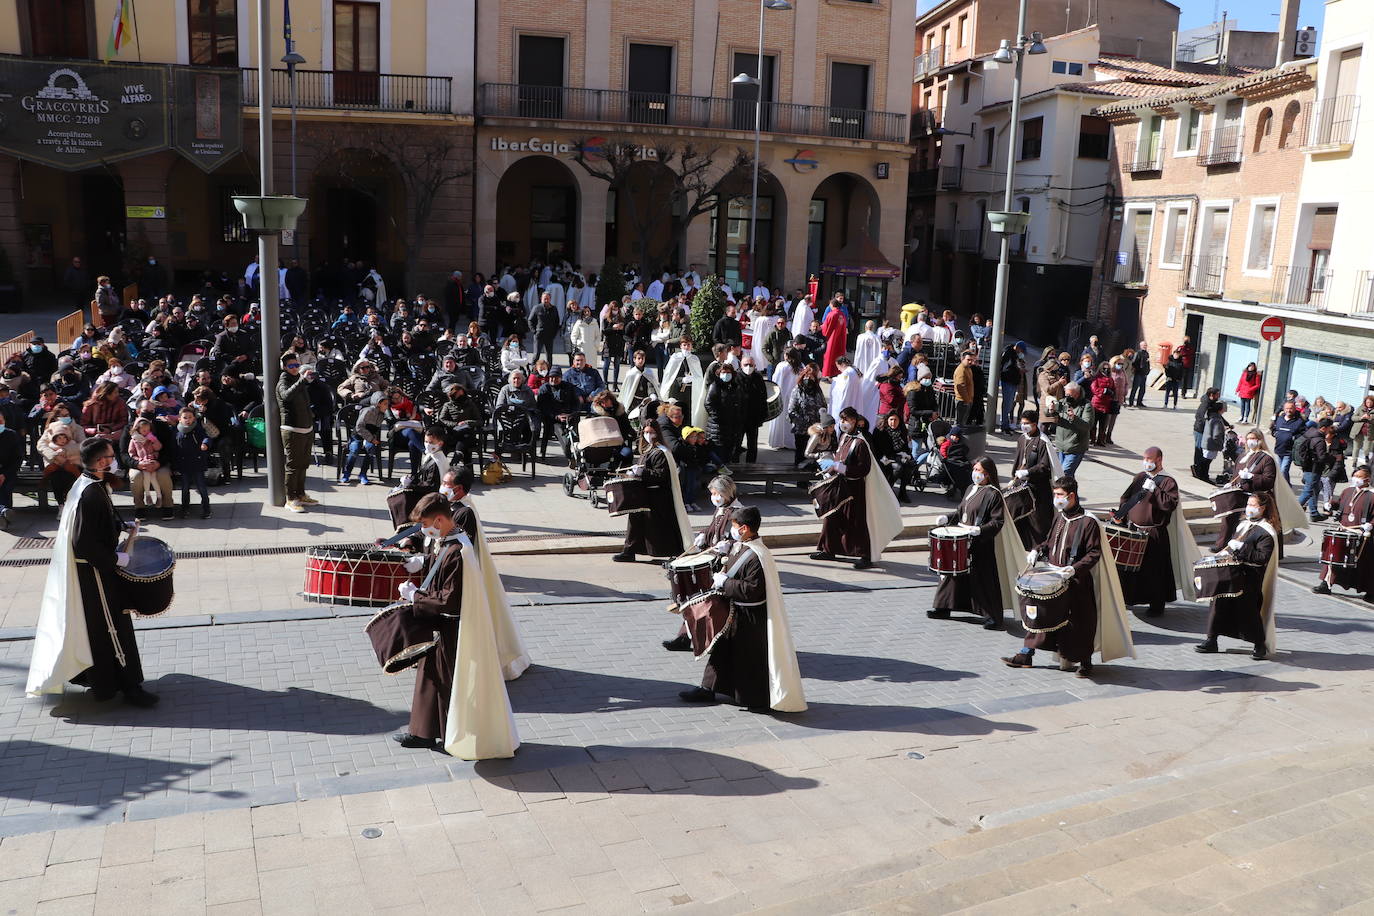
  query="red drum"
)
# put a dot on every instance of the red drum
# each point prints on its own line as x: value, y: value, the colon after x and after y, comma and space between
x: 1342, y: 546
x: 690, y: 575
x: 949, y: 550
x: 1227, y: 501
x: 1220, y: 576
x: 399, y: 638
x: 1020, y: 502
x: 1042, y: 598
x: 708, y: 617
x: 1128, y: 546
x: 627, y: 494
x: 828, y: 496
x: 346, y: 575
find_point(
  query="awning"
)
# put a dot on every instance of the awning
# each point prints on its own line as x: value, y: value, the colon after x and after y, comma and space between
x: 861, y: 258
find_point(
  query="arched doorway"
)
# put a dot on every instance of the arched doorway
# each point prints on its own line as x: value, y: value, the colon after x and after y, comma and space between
x: 536, y: 212
x: 842, y: 229
x: 358, y: 213
x: 103, y: 223
x: 729, y: 234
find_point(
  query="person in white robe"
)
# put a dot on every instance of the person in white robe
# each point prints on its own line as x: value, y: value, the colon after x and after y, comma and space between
x: 780, y: 428
x: 802, y: 316
x: 683, y: 365
x: 867, y: 346
x: 846, y: 390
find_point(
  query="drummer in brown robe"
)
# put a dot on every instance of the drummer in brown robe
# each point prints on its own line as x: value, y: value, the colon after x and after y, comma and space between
x: 844, y: 533
x: 1256, y: 471
x: 437, y: 600
x: 433, y: 466
x: 658, y: 532
x: 978, y: 591
x: 1149, y: 504
x: 1032, y: 468
x: 1249, y: 616
x: 1074, y: 545
x: 1356, y: 514
x: 715, y: 537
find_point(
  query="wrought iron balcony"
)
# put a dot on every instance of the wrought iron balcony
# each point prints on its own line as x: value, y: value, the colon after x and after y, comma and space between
x: 1331, y: 124
x: 1300, y: 288
x: 618, y: 106
x: 928, y: 62
x: 1134, y: 158
x: 353, y: 91
x: 1207, y: 277
x: 1131, y: 270
x: 1220, y: 147
x: 970, y: 240
x: 951, y: 177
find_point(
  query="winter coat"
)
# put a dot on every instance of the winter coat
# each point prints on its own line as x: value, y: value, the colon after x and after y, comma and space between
x: 1248, y: 387
x: 724, y: 410
x: 804, y: 408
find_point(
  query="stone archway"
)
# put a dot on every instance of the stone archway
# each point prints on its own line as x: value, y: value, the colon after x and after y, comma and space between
x: 538, y: 202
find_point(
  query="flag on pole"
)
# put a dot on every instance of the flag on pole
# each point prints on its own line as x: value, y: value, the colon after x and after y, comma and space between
x: 286, y: 28
x: 120, y: 31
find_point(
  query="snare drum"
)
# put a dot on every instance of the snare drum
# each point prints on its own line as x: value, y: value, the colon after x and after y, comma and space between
x: 347, y: 575
x: 1020, y: 502
x: 1228, y: 501
x: 627, y: 494
x: 1219, y: 576
x: 773, y: 406
x: 949, y: 550
x: 708, y: 617
x: 1128, y: 546
x: 1342, y: 547
x: 1042, y: 598
x: 828, y: 496
x: 690, y: 576
x: 147, y: 581
x: 399, y: 638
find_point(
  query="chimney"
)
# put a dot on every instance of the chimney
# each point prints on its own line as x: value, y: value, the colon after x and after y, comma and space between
x: 1288, y: 30
x: 1139, y: 42
x: 1173, y: 50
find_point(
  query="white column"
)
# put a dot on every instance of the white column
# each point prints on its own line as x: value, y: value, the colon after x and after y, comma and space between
x: 804, y: 18
x: 704, y: 38
x: 597, y: 55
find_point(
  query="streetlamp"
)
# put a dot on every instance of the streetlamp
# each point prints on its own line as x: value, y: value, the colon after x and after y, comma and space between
x: 292, y: 60
x: 1006, y: 222
x: 756, y: 81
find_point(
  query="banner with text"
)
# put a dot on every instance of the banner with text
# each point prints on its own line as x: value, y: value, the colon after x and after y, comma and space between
x: 207, y: 122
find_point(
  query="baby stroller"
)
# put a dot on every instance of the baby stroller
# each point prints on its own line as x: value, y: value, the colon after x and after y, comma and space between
x: 596, y: 444
x: 1230, y: 453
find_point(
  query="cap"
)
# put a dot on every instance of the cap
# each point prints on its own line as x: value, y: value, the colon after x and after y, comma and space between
x: 159, y: 391
x: 956, y: 431
x: 691, y: 430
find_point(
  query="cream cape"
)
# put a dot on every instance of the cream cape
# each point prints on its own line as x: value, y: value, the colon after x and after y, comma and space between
x: 784, y: 676
x: 61, y: 645
x: 514, y: 658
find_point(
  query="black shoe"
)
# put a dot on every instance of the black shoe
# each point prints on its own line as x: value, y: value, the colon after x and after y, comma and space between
x: 822, y: 555
x: 698, y: 695
x: 168, y: 514
x: 623, y: 557
x: 681, y: 643
x: 1206, y: 647
x: 1155, y: 610
x: 140, y: 698
x: 181, y: 513
x: 406, y: 739
x: 1261, y: 652
x: 936, y: 613
x: 102, y: 694
x: 1085, y: 669
x: 1321, y: 588
x: 863, y: 563
x: 993, y: 625
x: 1019, y: 660
x: 205, y: 511
x: 140, y: 514
x: 902, y: 497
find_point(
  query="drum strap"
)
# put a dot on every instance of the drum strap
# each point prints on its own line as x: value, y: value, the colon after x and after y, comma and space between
x: 1139, y: 497
x: 744, y: 554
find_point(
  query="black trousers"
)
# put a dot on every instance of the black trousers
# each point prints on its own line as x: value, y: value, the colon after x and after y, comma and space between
x: 751, y: 445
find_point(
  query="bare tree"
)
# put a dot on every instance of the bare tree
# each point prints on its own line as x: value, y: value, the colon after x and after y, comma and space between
x: 427, y: 161
x: 665, y: 184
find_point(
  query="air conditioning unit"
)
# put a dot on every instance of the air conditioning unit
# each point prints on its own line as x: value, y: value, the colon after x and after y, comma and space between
x: 1306, y: 43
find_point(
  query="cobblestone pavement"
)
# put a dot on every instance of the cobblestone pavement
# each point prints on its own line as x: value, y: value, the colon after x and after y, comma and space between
x: 257, y: 713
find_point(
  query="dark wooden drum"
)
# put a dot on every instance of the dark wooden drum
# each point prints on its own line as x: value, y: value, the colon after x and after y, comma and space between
x: 1042, y: 598
x: 1220, y: 576
x: 1128, y: 546
x: 627, y: 494
x: 828, y: 496
x: 949, y: 550
x: 147, y: 580
x: 1020, y: 502
x: 690, y: 576
x: 1342, y: 547
x: 1228, y: 501
x: 708, y: 617
x: 399, y: 637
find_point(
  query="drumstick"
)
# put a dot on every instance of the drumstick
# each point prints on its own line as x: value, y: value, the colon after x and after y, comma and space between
x: 400, y: 536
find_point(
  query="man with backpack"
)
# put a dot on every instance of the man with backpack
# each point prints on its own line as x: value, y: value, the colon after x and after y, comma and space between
x: 1309, y: 453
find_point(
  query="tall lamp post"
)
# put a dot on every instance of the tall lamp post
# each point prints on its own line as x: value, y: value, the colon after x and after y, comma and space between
x: 292, y: 60
x: 756, y: 81
x: 1007, y: 222
x: 267, y: 215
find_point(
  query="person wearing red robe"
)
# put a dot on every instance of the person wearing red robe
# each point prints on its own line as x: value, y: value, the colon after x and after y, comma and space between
x: 835, y: 329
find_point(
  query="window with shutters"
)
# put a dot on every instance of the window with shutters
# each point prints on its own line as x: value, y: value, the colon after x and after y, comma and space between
x: 1259, y: 248
x: 213, y: 29
x: 1175, y: 235
x: 1032, y: 134
x: 1094, y: 137
x: 1189, y: 128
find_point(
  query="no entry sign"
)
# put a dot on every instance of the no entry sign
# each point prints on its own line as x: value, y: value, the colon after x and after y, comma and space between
x: 1271, y: 328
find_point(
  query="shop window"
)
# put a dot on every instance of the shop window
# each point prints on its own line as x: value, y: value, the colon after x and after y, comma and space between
x: 213, y: 27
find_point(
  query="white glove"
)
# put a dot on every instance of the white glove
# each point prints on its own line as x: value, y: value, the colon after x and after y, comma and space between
x: 942, y: 520
x: 1022, y: 474
x: 1032, y: 556
x: 1066, y: 571
x: 838, y: 467
x: 1246, y: 475
x: 1149, y: 484
x: 700, y: 541
x: 415, y: 564
x: 1367, y: 527
x: 718, y: 580
x: 723, y: 548
x: 1235, y: 544
x: 405, y: 481
x: 637, y: 470
x: 407, y: 591
x: 121, y: 558
x: 976, y: 529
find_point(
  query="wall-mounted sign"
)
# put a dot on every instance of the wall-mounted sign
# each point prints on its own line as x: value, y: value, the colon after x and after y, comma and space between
x: 592, y: 147
x: 881, y: 169
x: 207, y: 122
x: 804, y: 161
x: 135, y: 212
x: 76, y: 114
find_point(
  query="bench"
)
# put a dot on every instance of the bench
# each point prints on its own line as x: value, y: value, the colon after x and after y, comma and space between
x: 31, y: 482
x: 770, y: 475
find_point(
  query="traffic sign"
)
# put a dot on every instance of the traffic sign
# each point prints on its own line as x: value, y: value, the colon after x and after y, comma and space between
x: 1271, y: 328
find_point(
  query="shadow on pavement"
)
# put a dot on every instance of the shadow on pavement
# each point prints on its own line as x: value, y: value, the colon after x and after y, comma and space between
x: 821, y: 666
x: 1207, y: 681
x: 542, y: 689
x: 566, y: 589
x: 188, y: 701
x: 1324, y: 661
x: 846, y: 717
x: 95, y: 780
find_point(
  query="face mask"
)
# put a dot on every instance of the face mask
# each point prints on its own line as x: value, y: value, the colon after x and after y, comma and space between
x: 429, y: 531
x: 717, y: 500
x: 184, y: 425
x: 925, y: 383
x: 1117, y: 367
x: 447, y: 492
x: 1061, y: 503
x: 1151, y: 467
x: 515, y: 346
x: 1252, y: 511
x: 748, y: 370
x: 1028, y: 429
x: 1252, y: 444
x: 1361, y: 482
x: 733, y: 534
x: 65, y: 419
x: 847, y: 427
x: 36, y: 348
x: 431, y: 447
x: 979, y: 477
x: 726, y: 376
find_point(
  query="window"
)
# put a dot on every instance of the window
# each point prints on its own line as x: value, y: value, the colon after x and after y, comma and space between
x: 944, y: 39
x: 1291, y: 112
x: 1214, y: 230
x: 214, y: 32
x: 58, y: 28
x: 539, y: 71
x: 815, y: 236
x: 1066, y: 68
x: 930, y: 41
x: 1135, y: 246
x: 963, y: 31
x: 1032, y: 131
x: 745, y: 94
x: 1189, y: 128
x: 357, y: 55
x: 963, y: 90
x: 1094, y: 137
x: 230, y: 220
x: 989, y: 146
x: 1019, y: 243
x: 1175, y: 236
x: 1259, y: 251
x: 1264, y: 126
x: 1150, y: 141
x: 649, y: 79
x: 848, y: 99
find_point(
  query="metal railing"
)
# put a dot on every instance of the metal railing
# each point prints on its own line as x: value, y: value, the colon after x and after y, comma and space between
x: 353, y: 91
x: 1131, y: 269
x: 951, y: 177
x: 1363, y: 303
x: 970, y: 240
x: 928, y: 62
x: 1136, y: 159
x: 625, y: 107
x: 1220, y: 146
x: 1331, y: 123
x: 1300, y: 288
x: 1207, y: 275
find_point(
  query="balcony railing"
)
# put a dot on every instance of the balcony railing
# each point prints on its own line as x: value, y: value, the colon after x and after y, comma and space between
x: 928, y: 62
x: 1207, y: 276
x: 1331, y: 123
x: 1300, y: 288
x: 970, y: 240
x: 353, y: 91
x: 621, y: 106
x: 1364, y: 293
x: 951, y: 177
x: 1220, y: 146
x: 1131, y: 270
x: 1138, y: 158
